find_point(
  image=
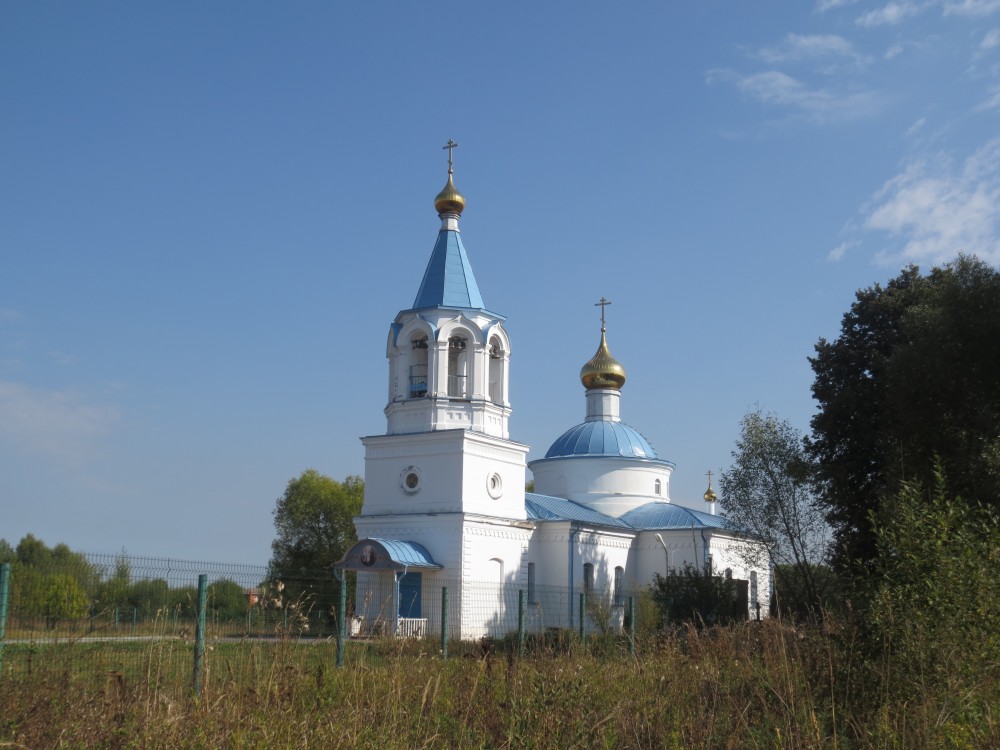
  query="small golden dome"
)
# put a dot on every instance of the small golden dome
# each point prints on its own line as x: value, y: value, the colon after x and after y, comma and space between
x: 449, y: 200
x: 603, y: 370
x: 710, y: 496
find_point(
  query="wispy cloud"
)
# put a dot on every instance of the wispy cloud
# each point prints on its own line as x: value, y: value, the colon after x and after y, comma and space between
x: 60, y: 425
x: 915, y: 128
x: 972, y: 7
x: 893, y: 51
x: 840, y: 250
x: 829, y: 49
x: 992, y: 100
x: 889, y: 15
x: 822, y: 6
x: 815, y: 105
x: 938, y: 209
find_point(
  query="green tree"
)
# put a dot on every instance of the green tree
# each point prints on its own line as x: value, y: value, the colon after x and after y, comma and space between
x: 691, y: 595
x: 62, y: 598
x: 227, y: 600
x: 41, y: 576
x: 935, y: 606
x: 113, y: 591
x: 767, y: 491
x: 911, y: 378
x: 314, y: 521
x: 150, y: 596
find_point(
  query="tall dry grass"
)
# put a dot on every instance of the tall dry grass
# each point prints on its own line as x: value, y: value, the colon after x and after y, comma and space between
x: 753, y: 685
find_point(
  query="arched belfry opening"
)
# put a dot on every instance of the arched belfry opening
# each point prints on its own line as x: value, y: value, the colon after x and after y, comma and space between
x: 418, y: 366
x: 497, y: 356
x: 458, y: 366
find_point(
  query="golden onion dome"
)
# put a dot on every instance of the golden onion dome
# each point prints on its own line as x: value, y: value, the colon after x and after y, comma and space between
x: 710, y: 496
x: 603, y: 370
x: 449, y: 200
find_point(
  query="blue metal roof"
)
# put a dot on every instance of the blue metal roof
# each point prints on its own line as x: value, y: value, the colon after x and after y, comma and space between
x: 651, y: 516
x: 448, y: 280
x: 660, y: 515
x: 602, y: 438
x: 548, y: 508
x: 387, y: 554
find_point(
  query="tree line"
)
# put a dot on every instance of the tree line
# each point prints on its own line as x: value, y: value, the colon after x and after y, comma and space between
x: 57, y: 585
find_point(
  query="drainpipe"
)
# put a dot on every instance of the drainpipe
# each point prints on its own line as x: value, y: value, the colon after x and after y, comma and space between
x: 666, y: 554
x: 704, y: 552
x: 574, y: 534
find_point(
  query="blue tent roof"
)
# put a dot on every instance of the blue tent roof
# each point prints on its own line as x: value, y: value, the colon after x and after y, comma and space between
x: 448, y: 280
x: 602, y: 438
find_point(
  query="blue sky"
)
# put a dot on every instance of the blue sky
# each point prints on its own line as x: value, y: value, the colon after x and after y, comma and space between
x: 213, y: 211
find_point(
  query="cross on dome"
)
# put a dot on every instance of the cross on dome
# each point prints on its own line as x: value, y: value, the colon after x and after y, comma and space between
x: 450, y: 145
x: 449, y: 200
x: 602, y: 304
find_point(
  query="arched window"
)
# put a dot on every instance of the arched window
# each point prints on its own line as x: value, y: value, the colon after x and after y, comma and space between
x: 657, y: 487
x: 619, y: 583
x: 418, y: 366
x: 588, y: 577
x: 458, y: 366
x: 496, y: 370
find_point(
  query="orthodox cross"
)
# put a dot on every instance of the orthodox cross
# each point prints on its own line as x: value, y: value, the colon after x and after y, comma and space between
x: 602, y: 304
x: 450, y: 145
x: 709, y: 475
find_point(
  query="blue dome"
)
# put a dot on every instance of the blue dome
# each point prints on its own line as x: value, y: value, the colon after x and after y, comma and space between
x: 602, y: 438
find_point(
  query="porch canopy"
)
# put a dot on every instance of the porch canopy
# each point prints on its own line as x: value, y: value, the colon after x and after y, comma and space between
x: 387, y: 554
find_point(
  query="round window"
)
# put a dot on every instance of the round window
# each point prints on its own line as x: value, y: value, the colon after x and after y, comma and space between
x: 410, y: 480
x: 494, y: 485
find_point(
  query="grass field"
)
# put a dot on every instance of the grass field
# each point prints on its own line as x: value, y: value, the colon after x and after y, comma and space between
x: 753, y: 685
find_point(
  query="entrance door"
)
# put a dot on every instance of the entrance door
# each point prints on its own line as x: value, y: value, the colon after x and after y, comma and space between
x: 410, y: 586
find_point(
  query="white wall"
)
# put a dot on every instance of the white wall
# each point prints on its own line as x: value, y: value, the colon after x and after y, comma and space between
x: 609, y: 485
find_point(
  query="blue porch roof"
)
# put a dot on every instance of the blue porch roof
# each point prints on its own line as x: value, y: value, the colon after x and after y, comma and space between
x: 387, y: 554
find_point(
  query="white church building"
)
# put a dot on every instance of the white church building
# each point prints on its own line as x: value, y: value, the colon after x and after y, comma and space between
x: 445, y: 503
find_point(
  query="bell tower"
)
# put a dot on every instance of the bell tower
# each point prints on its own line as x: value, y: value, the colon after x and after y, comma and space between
x: 448, y: 355
x: 446, y: 448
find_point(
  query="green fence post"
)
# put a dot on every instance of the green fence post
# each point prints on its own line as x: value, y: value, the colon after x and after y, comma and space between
x: 4, y: 592
x: 135, y: 619
x: 520, y: 622
x: 341, y: 617
x: 583, y: 605
x: 199, y: 633
x: 631, y: 626
x: 116, y: 618
x: 444, y: 622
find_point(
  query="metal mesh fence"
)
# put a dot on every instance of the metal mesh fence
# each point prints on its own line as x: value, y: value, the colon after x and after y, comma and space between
x: 124, y: 617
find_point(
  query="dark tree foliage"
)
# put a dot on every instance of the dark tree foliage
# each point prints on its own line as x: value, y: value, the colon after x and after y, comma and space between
x: 914, y: 377
x: 693, y: 596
